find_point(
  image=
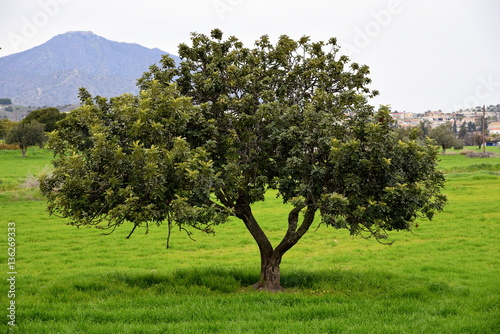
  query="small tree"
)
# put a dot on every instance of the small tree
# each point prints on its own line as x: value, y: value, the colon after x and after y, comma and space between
x: 471, y: 127
x: 444, y: 136
x: 26, y: 135
x: 235, y: 123
x: 47, y: 116
x: 462, y: 132
x: 425, y: 128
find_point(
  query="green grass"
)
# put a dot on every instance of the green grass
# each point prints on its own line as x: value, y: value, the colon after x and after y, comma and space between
x: 442, y: 278
x: 15, y: 169
x: 455, y: 161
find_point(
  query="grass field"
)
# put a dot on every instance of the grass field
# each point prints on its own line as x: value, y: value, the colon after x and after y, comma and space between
x: 443, y: 278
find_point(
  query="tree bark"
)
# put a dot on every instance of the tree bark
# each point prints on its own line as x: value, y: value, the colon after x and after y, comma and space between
x: 270, y: 259
x: 270, y: 275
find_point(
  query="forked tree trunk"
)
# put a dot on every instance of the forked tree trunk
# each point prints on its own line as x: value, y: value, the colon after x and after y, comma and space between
x: 271, y: 257
x: 270, y: 276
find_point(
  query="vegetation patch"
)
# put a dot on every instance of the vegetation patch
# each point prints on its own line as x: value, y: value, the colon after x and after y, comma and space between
x: 4, y: 146
x: 472, y: 154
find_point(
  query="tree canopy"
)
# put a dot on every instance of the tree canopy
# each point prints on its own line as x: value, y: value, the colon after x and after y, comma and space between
x: 5, y: 101
x: 5, y: 125
x: 205, y: 140
x: 48, y: 116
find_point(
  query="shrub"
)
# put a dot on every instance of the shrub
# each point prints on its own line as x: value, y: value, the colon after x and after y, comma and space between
x: 4, y: 146
x: 472, y: 154
x: 459, y: 144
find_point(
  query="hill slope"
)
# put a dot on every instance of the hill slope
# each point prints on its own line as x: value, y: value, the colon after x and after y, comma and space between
x: 50, y: 74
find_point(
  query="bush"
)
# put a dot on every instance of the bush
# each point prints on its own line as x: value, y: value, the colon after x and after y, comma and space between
x: 472, y: 154
x: 459, y: 144
x: 4, y: 146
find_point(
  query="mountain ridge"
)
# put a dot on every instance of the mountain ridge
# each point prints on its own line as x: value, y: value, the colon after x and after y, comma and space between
x: 51, y: 73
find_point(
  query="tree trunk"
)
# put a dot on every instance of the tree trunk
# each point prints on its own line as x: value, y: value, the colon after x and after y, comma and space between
x: 270, y: 258
x: 270, y: 274
x: 269, y: 265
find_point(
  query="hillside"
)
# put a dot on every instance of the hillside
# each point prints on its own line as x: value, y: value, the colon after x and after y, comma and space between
x: 50, y: 74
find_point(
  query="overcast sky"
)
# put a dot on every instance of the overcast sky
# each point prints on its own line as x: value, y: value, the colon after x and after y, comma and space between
x: 423, y: 54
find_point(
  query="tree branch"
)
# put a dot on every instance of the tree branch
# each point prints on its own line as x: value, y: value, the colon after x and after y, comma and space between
x: 128, y: 236
x: 293, y: 220
x: 244, y: 212
x: 292, y: 238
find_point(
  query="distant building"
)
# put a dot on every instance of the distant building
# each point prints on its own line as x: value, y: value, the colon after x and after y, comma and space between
x: 406, y: 119
x: 436, y: 118
x: 494, y: 128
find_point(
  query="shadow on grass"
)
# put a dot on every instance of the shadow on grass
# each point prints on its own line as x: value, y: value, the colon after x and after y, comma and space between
x: 213, y: 279
x: 198, y: 280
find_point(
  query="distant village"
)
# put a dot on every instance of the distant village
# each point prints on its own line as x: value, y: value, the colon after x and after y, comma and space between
x: 462, y: 118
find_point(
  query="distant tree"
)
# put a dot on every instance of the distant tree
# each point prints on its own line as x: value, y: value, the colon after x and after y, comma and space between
x: 458, y: 144
x: 425, y: 128
x: 462, y: 131
x: 480, y: 124
x: 471, y: 127
x: 478, y: 139
x: 5, y: 126
x: 5, y: 101
x: 469, y: 139
x: 26, y: 135
x: 444, y: 136
x: 47, y: 116
x: 288, y: 116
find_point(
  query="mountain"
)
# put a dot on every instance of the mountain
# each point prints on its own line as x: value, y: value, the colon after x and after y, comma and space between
x: 50, y: 74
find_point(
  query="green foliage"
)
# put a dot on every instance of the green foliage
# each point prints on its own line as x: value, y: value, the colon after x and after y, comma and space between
x: 278, y: 108
x: 47, y: 116
x: 5, y: 101
x: 124, y: 161
x: 409, y: 133
x: 5, y: 126
x: 385, y: 183
x: 462, y: 131
x: 425, y: 128
x: 26, y: 135
x: 458, y: 144
x: 236, y: 122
